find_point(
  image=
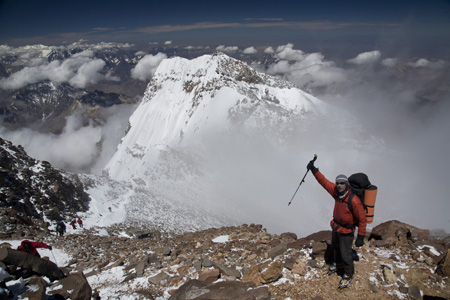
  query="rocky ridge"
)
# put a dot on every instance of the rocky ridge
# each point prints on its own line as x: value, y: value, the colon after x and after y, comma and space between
x: 398, y: 261
x: 32, y: 192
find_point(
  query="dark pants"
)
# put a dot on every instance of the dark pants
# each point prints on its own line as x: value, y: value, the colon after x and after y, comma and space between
x: 342, y: 246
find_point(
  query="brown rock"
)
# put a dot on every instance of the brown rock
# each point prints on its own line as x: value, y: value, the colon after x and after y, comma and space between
x: 414, y: 293
x: 319, y: 248
x: 444, y: 266
x: 209, y: 275
x: 272, y: 272
x: 74, y: 286
x: 398, y: 231
x: 324, y: 235
x: 300, y: 267
x: 183, y: 270
x: 195, y: 289
x: 29, y: 262
x: 288, y: 236
x: 277, y: 250
x: 299, y: 244
x: 227, y: 271
x: 36, y: 287
x: 264, y: 273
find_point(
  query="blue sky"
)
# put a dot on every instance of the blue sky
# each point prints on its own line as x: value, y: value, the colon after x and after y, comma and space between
x: 244, y: 23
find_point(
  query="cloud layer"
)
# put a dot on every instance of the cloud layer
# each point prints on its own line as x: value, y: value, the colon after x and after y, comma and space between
x: 147, y: 66
x: 79, y: 71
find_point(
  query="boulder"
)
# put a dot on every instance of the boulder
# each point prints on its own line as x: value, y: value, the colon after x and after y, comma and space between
x: 74, y: 286
x: 323, y: 235
x: 288, y: 236
x: 414, y: 293
x: 140, y: 268
x: 263, y: 273
x: 394, y: 231
x: 444, y: 266
x: 158, y: 279
x: 300, y: 267
x: 227, y: 271
x: 272, y: 272
x: 29, y: 262
x: 319, y: 248
x: 225, y: 290
x: 277, y: 250
x: 209, y: 275
x: 299, y: 244
x: 36, y: 287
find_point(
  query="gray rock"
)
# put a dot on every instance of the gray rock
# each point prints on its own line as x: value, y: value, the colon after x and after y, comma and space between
x: 414, y: 293
x: 29, y: 262
x: 227, y: 271
x: 277, y: 250
x: 195, y: 289
x: 161, y: 277
x: 74, y: 286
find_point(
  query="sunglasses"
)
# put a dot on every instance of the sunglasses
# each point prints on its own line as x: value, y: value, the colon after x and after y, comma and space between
x: 343, y: 183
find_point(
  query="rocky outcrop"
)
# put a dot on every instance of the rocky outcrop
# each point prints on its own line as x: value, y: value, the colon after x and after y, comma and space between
x: 250, y: 262
x: 32, y: 263
x: 33, y: 191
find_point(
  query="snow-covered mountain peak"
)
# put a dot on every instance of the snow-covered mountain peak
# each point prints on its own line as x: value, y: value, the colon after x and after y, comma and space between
x: 188, y: 101
x: 211, y: 72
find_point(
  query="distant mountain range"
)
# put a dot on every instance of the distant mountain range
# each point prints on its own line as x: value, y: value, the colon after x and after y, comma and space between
x: 43, y: 105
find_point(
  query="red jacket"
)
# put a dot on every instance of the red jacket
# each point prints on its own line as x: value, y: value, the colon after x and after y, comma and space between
x: 33, y: 247
x: 343, y: 218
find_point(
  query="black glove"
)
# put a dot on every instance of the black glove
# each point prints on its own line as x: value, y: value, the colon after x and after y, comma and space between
x: 49, y: 248
x: 359, y: 240
x: 311, y: 167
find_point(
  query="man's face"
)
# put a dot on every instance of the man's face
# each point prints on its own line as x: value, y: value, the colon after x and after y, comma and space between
x: 341, y: 186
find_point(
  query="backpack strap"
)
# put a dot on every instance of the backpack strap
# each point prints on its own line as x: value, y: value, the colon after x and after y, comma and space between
x: 349, y: 202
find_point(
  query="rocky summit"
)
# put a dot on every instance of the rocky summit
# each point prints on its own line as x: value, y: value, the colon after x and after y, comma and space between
x: 397, y: 261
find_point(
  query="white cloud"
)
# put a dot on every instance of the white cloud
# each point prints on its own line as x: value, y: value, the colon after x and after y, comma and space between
x: 269, y: 50
x: 389, y: 62
x: 88, y: 73
x: 287, y: 52
x: 250, y: 50
x: 366, y: 58
x: 79, y: 70
x: 147, y: 66
x: 140, y: 53
x: 305, y: 70
x: 227, y: 49
x: 168, y: 43
x: 76, y: 148
x: 425, y: 63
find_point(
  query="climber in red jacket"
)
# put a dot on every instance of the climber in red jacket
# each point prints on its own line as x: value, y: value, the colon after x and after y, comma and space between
x: 30, y: 247
x: 344, y: 223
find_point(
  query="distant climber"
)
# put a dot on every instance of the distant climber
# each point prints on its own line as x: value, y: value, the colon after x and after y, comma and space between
x: 74, y: 224
x: 61, y: 228
x: 343, y: 224
x: 30, y: 247
x: 80, y: 222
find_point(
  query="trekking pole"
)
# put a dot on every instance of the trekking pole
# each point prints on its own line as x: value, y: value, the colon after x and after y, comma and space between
x: 303, y: 180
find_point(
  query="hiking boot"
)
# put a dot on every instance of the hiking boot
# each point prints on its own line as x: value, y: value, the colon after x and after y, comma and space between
x: 332, y: 268
x: 345, y: 281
